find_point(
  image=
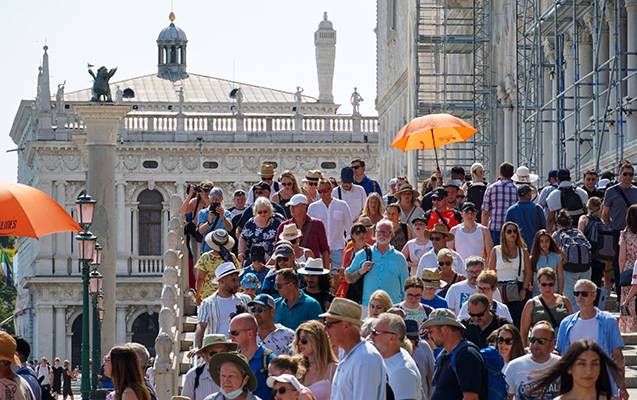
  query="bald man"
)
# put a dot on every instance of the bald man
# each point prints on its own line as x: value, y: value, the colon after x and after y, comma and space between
x: 243, y: 331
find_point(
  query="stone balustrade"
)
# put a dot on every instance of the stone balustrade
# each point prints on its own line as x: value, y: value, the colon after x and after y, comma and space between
x: 142, y: 126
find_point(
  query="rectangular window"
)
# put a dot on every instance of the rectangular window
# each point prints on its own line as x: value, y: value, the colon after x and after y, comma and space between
x: 391, y: 16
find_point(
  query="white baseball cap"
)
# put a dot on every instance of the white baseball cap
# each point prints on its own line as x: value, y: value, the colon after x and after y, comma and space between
x: 285, y: 378
x: 296, y: 200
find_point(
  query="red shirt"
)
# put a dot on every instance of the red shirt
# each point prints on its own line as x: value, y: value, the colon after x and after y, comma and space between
x: 314, y: 236
x: 448, y: 215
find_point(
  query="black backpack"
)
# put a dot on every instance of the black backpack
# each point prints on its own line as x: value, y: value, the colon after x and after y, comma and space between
x: 571, y: 201
x: 601, y: 238
x: 355, y: 290
x: 475, y: 194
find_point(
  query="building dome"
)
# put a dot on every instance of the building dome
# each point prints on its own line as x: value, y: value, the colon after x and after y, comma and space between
x: 172, y: 33
x: 325, y: 24
x: 171, y: 52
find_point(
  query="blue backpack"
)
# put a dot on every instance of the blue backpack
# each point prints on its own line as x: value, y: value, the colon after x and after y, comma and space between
x: 493, y: 361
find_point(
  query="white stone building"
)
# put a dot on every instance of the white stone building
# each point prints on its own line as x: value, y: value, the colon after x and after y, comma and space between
x: 183, y: 127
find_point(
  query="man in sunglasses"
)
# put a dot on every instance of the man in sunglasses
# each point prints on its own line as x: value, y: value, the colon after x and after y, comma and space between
x: 481, y: 322
x: 275, y: 337
x: 617, y: 200
x: 363, y: 180
x: 596, y: 325
x: 354, y: 195
x: 523, y: 370
x: 198, y: 382
x: 294, y: 306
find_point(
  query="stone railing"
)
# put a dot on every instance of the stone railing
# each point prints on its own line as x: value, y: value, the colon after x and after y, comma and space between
x: 171, y: 315
x: 146, y: 126
x: 146, y: 265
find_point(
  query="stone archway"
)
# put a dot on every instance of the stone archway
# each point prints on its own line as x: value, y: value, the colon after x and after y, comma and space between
x: 76, y: 341
x: 145, y: 329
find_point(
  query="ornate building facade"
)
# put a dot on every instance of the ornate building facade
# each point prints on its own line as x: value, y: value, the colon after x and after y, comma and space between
x: 183, y: 128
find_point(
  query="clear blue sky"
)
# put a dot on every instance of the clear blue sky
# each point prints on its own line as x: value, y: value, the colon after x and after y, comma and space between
x: 268, y: 43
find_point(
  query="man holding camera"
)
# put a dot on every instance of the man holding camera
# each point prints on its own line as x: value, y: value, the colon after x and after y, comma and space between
x: 213, y: 217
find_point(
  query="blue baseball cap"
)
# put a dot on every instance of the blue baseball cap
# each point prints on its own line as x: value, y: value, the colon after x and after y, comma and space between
x: 250, y: 281
x: 552, y: 174
x: 264, y: 300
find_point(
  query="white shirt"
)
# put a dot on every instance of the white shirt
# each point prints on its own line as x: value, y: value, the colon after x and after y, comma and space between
x: 416, y: 251
x: 215, y: 311
x: 585, y: 329
x: 424, y: 358
x: 554, y: 200
x: 429, y: 260
x: 43, y: 371
x: 459, y: 293
x: 501, y: 310
x: 522, y: 371
x: 337, y: 219
x: 469, y: 244
x: 360, y: 374
x: 355, y: 198
x: 404, y: 376
x: 206, y: 384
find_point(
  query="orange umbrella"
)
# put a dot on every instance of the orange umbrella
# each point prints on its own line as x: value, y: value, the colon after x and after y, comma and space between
x: 432, y: 131
x: 26, y: 211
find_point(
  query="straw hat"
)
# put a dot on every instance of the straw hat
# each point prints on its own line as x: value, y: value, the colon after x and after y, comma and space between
x: 442, y: 317
x: 7, y: 349
x: 523, y: 175
x: 218, y: 238
x: 216, y: 338
x: 431, y: 278
x: 346, y: 310
x: 237, y: 359
x: 313, y: 266
x: 290, y: 232
x: 313, y: 175
x: 267, y: 170
x: 440, y: 228
x: 406, y: 187
x: 365, y: 221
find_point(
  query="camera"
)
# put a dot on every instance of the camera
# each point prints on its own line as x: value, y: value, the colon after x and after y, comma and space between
x: 194, y: 188
x: 213, y: 208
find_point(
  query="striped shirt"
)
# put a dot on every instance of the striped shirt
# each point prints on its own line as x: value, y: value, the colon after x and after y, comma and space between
x: 498, y: 197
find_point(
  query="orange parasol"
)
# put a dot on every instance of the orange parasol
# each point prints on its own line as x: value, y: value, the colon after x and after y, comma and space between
x: 26, y: 211
x: 432, y: 131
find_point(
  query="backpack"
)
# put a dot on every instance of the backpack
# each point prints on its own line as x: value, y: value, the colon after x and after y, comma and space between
x: 493, y: 361
x: 576, y: 248
x: 601, y: 237
x: 570, y: 200
x: 355, y: 290
x: 475, y: 194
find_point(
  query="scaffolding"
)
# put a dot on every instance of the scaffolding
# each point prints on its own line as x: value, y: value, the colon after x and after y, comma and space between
x: 571, y: 83
x: 454, y: 76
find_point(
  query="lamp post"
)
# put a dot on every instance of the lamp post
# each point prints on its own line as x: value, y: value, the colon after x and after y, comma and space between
x: 95, y: 290
x: 85, y: 206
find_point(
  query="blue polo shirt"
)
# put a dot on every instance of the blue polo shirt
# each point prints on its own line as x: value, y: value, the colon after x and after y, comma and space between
x: 304, y: 309
x: 389, y: 273
x: 369, y: 185
x: 259, y: 365
x: 203, y: 217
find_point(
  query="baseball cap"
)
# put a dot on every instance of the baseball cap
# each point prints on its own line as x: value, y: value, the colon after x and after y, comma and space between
x: 250, y: 281
x: 552, y: 174
x: 296, y: 200
x: 283, y: 250
x: 563, y: 174
x: 347, y: 175
x: 467, y: 205
x: 261, y: 186
x: 264, y: 300
x: 439, y: 193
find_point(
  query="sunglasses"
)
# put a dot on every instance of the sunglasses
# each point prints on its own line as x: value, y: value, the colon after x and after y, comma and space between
x: 329, y: 324
x: 323, y: 191
x: 359, y: 231
x: 281, y: 390
x: 540, y: 341
x: 547, y: 284
x: 443, y: 263
x: 376, y: 332
x: 509, y: 231
x: 304, y: 341
x: 478, y: 315
x: 508, y: 340
x: 469, y: 210
x: 263, y: 212
x: 256, y: 310
x: 356, y: 166
x: 436, y: 238
x: 628, y: 174
x: 312, y: 183
x: 281, y: 285
x: 237, y: 332
x: 578, y: 293
x: 286, y: 184
x: 207, y: 189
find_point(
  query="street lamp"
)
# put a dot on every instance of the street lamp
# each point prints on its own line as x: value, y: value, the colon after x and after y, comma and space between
x: 95, y: 290
x: 85, y: 206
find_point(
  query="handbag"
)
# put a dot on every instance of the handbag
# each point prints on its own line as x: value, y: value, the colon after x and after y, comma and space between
x: 626, y: 278
x: 510, y: 290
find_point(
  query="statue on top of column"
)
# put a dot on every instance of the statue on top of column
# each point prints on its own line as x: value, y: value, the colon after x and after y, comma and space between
x: 101, y: 90
x: 59, y: 98
x: 355, y: 100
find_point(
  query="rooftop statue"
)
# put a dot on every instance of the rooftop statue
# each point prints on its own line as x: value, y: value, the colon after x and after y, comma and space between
x: 101, y: 90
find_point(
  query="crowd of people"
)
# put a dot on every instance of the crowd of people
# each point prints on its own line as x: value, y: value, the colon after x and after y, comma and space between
x: 325, y: 289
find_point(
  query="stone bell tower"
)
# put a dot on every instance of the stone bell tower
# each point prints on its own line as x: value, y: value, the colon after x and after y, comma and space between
x: 325, y: 44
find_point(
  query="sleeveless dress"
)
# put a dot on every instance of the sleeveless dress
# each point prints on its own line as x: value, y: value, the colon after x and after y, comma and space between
x: 469, y: 244
x: 628, y: 323
x: 323, y: 389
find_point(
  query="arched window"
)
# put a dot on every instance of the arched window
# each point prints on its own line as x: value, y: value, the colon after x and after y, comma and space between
x: 145, y: 329
x: 76, y: 341
x: 150, y: 206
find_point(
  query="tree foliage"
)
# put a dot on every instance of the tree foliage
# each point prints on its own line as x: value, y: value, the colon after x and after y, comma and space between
x: 7, y: 294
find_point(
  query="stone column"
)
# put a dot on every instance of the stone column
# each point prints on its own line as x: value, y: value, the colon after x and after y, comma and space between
x: 121, y: 218
x: 44, y: 324
x: 631, y: 47
x: 612, y: 75
x: 61, y: 239
x: 102, y: 121
x: 602, y: 77
x: 569, y: 104
x: 585, y: 54
x: 60, y: 332
x: 121, y: 324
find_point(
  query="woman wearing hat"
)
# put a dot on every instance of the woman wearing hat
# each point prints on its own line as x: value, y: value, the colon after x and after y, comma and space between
x: 289, y: 188
x: 310, y: 184
x: 260, y: 229
x: 317, y: 282
x: 408, y: 201
x: 292, y: 234
x: 220, y: 244
x: 10, y: 382
x: 287, y: 387
x: 232, y: 373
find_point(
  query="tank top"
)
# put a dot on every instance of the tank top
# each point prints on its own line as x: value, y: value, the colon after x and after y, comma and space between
x: 538, y: 313
x: 508, y: 270
x: 417, y: 250
x: 469, y: 244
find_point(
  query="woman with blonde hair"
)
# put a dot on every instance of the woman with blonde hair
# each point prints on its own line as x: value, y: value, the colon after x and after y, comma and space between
x: 289, y: 187
x: 374, y: 208
x: 379, y: 302
x: 319, y: 360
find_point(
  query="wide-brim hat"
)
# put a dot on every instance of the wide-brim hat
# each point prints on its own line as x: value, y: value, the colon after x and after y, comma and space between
x: 431, y: 278
x: 365, y: 221
x: 442, y: 317
x: 313, y: 266
x: 346, y: 310
x: 290, y: 232
x: 225, y: 269
x: 440, y: 228
x: 218, y: 238
x: 7, y: 349
x: 216, y: 338
x: 406, y: 187
x: 237, y: 359
x: 267, y: 170
x: 523, y: 175
x: 313, y: 176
